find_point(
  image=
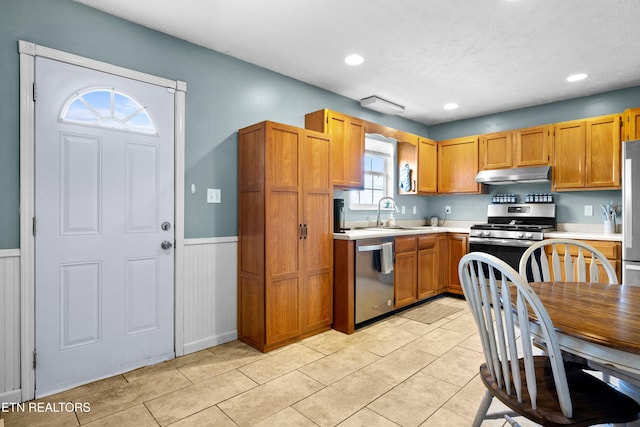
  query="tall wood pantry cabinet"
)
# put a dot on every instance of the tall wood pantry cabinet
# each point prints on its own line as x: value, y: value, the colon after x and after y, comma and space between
x: 285, y: 250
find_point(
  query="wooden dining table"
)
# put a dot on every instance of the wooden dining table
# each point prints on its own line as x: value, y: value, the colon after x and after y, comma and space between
x: 599, y: 322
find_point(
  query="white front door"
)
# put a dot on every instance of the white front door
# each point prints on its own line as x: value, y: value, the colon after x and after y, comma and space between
x: 104, y: 205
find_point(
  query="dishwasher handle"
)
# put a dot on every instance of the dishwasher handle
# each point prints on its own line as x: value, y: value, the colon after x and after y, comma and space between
x: 369, y: 248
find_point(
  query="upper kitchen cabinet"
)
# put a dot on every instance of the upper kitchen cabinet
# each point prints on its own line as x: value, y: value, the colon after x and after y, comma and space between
x: 631, y: 124
x: 496, y: 150
x: 587, y: 154
x: 285, y: 234
x: 347, y: 135
x: 408, y: 172
x: 427, y: 166
x: 532, y: 146
x: 517, y: 148
x: 458, y: 165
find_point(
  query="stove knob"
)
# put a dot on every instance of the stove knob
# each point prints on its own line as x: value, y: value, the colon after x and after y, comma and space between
x: 519, y: 234
x: 486, y: 233
x: 529, y: 235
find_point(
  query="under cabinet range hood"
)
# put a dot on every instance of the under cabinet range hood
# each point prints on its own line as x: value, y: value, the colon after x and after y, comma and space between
x: 514, y: 175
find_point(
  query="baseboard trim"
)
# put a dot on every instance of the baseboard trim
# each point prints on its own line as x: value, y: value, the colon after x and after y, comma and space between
x: 210, y: 342
x: 13, y: 396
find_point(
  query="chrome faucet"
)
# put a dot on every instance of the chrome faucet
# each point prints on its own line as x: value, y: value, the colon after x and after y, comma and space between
x: 395, y: 205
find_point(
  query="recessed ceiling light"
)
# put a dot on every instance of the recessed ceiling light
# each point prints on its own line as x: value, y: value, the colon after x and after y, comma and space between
x: 577, y: 77
x: 354, y: 59
x: 450, y: 106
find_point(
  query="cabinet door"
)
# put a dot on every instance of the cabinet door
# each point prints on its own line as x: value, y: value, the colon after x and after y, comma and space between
x: 569, y: 155
x: 631, y: 124
x: 458, y: 165
x: 611, y: 250
x: 407, y: 151
x: 442, y: 254
x: 283, y: 204
x: 405, y: 271
x: 427, y: 166
x: 354, y: 152
x: 496, y: 150
x: 348, y: 149
x: 458, y: 244
x: 347, y: 143
x: 603, y: 152
x: 317, y: 233
x: 405, y: 278
x: 427, y: 266
x: 531, y: 146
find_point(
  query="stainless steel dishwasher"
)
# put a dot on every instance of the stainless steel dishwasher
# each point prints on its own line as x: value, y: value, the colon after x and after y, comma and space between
x: 374, y: 288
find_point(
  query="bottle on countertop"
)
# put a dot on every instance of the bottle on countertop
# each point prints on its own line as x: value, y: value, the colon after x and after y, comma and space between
x: 391, y: 221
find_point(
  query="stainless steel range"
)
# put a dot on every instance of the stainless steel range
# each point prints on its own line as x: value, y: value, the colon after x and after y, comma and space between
x: 511, y: 229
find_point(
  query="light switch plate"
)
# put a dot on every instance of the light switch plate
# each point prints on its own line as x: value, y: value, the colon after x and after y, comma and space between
x: 588, y: 210
x: 213, y: 195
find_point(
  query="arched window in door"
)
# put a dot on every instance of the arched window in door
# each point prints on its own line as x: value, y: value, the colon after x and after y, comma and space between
x: 109, y: 108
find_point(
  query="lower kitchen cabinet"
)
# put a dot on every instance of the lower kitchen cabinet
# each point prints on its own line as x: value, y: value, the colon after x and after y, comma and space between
x: 428, y: 266
x: 442, y: 257
x: 610, y: 249
x: 421, y: 266
x: 406, y: 265
x: 458, y: 247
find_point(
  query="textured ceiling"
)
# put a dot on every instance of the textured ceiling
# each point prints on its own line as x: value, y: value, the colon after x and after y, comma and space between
x: 486, y: 55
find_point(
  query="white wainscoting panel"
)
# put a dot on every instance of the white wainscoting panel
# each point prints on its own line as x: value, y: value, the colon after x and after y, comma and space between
x: 210, y: 292
x: 10, y: 325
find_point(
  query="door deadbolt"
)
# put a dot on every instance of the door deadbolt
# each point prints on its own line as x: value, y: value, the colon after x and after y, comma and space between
x: 166, y: 226
x: 166, y: 245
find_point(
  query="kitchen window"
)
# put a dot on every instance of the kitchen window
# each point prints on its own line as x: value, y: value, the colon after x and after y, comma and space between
x: 378, y: 173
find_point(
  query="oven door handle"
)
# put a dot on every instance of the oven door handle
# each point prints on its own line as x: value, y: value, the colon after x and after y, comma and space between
x: 501, y: 242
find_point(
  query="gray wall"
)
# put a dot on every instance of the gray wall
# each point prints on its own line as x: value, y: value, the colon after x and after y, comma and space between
x: 223, y: 95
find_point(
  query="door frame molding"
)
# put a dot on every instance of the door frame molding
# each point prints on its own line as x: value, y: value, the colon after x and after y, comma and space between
x: 28, y: 52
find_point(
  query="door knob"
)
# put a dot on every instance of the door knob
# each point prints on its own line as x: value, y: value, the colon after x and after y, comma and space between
x: 166, y: 245
x: 166, y: 226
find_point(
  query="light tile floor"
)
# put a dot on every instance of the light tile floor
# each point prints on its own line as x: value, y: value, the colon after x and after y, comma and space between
x: 396, y: 372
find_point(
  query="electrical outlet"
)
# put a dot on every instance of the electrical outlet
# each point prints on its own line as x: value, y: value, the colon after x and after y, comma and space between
x: 415, y: 210
x: 447, y: 209
x: 588, y: 210
x: 402, y: 209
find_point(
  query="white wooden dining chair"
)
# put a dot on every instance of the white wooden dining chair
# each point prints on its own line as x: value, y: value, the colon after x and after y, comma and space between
x: 569, y: 260
x: 540, y: 388
x: 538, y: 266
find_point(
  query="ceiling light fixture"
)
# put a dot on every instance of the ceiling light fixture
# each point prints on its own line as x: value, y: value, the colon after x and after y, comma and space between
x: 577, y: 77
x: 450, y: 106
x: 381, y: 105
x: 354, y: 59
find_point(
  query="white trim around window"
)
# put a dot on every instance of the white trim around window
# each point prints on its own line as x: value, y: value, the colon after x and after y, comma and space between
x: 384, y: 148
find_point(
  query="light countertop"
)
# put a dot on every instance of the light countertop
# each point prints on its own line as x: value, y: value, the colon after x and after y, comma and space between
x: 565, y: 231
x: 615, y: 237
